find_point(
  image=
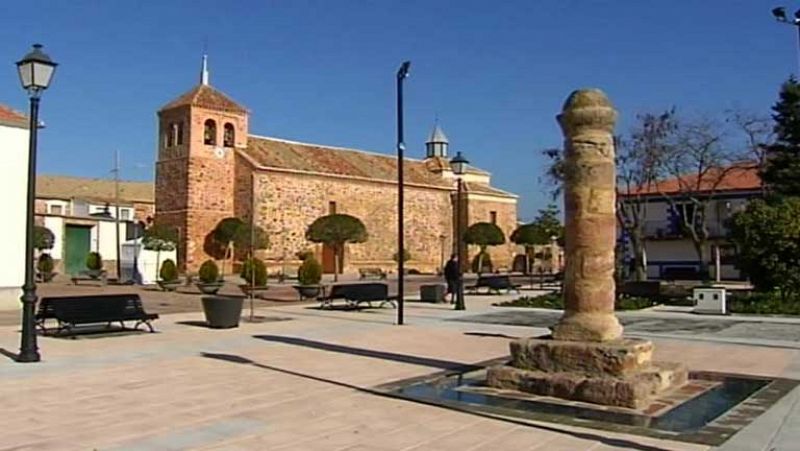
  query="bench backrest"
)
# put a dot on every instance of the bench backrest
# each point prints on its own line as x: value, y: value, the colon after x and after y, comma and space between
x: 92, y: 308
x: 360, y: 291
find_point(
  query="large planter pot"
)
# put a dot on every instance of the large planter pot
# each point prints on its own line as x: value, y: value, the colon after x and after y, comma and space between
x: 308, y: 291
x: 222, y: 312
x: 169, y: 286
x: 209, y: 288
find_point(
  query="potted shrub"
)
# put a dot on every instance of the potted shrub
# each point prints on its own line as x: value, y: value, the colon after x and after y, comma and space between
x: 45, y: 268
x: 209, y: 282
x: 94, y: 265
x: 308, y: 277
x: 254, y: 273
x: 168, y: 276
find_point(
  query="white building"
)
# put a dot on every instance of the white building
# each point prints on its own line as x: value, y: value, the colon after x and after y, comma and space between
x: 669, y: 254
x: 13, y: 173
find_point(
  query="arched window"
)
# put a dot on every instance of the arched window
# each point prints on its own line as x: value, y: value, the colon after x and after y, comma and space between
x: 173, y: 134
x: 210, y: 132
x: 167, y: 135
x: 228, y: 136
x: 179, y: 141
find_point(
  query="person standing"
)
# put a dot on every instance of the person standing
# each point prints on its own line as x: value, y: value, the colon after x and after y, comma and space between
x: 451, y: 276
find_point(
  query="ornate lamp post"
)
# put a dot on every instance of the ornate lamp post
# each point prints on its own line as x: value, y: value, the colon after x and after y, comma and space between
x: 459, y: 165
x: 35, y: 72
x: 402, y: 74
x: 780, y: 15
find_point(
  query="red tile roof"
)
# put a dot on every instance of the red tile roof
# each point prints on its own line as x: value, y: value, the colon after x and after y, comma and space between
x: 13, y: 118
x: 296, y: 156
x: 204, y: 96
x: 741, y: 177
x: 103, y: 190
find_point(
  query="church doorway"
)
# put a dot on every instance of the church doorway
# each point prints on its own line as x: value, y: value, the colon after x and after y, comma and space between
x: 329, y: 260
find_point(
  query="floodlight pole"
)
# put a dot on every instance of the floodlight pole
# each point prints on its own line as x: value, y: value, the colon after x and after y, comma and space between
x: 780, y: 15
x: 402, y: 74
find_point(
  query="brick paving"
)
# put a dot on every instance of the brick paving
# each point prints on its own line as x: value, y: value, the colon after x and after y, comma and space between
x: 303, y: 382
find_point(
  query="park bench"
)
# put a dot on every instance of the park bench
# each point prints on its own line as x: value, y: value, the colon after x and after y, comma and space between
x: 364, y: 273
x: 356, y: 293
x: 493, y: 284
x: 72, y: 311
x: 85, y: 276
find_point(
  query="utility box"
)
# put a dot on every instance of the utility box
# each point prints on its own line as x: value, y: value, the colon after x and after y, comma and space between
x: 432, y: 293
x: 709, y: 300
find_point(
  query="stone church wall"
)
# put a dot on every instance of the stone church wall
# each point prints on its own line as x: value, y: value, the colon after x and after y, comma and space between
x: 287, y: 203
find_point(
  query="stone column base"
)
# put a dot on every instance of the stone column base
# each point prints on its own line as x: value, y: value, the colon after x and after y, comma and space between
x: 617, y: 373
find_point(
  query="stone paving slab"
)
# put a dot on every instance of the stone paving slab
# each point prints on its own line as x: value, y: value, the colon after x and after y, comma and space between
x: 304, y: 383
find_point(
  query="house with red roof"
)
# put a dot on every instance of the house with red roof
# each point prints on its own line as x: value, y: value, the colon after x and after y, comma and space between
x: 670, y: 254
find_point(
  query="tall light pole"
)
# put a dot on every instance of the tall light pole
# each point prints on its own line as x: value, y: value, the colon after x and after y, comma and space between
x: 459, y: 165
x: 402, y: 74
x: 35, y: 72
x: 780, y: 15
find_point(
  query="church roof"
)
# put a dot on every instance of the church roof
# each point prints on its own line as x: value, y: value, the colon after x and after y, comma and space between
x: 102, y: 190
x: 204, y: 96
x: 437, y: 135
x: 291, y: 155
x: 12, y: 117
x: 296, y: 156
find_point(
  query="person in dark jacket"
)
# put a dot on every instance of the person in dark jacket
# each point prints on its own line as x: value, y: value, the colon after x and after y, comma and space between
x: 451, y: 276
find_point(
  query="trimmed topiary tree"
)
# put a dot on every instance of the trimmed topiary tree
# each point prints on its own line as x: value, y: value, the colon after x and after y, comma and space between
x: 209, y: 272
x: 310, y: 272
x: 254, y: 272
x: 169, y: 271
x: 232, y: 237
x: 539, y: 232
x: 94, y: 261
x: 335, y: 231
x: 483, y: 235
x: 45, y: 267
x: 43, y: 238
x: 406, y: 256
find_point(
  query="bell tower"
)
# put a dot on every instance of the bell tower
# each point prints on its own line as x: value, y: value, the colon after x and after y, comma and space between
x: 198, y: 134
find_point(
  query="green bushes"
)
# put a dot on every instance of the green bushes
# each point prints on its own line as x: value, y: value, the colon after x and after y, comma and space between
x: 168, y: 272
x: 310, y: 272
x: 768, y: 303
x: 209, y: 272
x: 555, y: 301
x: 94, y: 261
x: 45, y: 267
x: 254, y: 271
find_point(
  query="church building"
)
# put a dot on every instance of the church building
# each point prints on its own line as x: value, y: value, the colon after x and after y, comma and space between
x: 210, y: 167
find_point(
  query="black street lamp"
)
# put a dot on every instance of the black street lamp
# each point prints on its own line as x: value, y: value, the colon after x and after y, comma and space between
x: 459, y: 165
x: 780, y: 15
x: 35, y: 72
x: 402, y: 74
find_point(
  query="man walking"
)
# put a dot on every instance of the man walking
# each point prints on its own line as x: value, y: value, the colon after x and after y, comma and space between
x: 451, y: 277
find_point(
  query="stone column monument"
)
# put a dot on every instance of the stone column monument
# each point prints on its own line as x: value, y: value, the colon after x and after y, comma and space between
x: 586, y: 357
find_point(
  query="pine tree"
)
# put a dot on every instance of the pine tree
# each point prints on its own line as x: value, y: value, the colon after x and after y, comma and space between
x: 781, y: 171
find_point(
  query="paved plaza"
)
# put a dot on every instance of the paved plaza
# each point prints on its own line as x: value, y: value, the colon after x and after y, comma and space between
x: 304, y: 379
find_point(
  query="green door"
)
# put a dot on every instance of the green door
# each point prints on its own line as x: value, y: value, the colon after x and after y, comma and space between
x: 76, y: 248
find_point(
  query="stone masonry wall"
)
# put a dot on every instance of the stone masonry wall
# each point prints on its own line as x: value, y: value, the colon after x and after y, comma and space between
x: 287, y: 203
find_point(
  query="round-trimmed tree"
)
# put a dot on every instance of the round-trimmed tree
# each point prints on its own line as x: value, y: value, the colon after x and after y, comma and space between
x: 233, y: 236
x: 539, y: 232
x: 336, y: 230
x: 483, y: 235
x: 43, y: 238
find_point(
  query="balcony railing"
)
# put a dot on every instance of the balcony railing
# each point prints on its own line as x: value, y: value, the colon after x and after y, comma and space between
x: 666, y: 230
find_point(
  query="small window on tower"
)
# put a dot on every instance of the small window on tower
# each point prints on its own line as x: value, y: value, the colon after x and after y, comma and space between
x: 331, y: 208
x: 167, y: 135
x: 493, y: 217
x: 228, y: 136
x: 173, y: 134
x: 180, y: 133
x: 210, y: 133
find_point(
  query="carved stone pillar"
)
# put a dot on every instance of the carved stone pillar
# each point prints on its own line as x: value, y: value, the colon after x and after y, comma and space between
x: 587, y: 121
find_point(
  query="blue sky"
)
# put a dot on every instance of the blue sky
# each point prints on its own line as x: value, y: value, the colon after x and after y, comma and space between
x: 322, y: 71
